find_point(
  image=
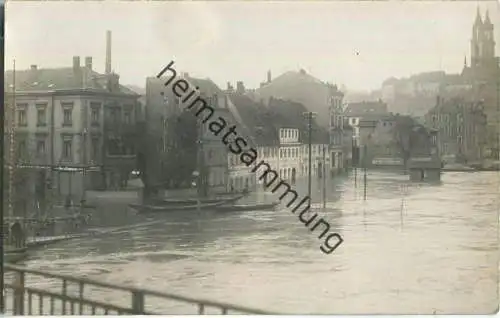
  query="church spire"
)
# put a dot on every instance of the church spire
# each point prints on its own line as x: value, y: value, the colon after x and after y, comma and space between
x: 487, y: 18
x: 465, y: 61
x: 478, y: 17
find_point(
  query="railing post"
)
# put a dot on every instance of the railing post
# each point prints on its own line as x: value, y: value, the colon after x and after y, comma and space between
x: 81, y: 297
x: 19, y: 294
x: 64, y: 294
x: 138, y: 302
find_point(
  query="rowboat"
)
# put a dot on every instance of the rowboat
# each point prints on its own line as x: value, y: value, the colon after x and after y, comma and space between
x: 457, y: 168
x: 140, y: 208
x: 225, y: 199
x: 246, y: 207
x: 13, y: 255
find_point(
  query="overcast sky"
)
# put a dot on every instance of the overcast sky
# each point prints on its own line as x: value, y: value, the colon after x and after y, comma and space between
x: 358, y: 44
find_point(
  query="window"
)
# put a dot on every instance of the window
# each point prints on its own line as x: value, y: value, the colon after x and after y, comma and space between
x: 95, y: 109
x: 40, y: 147
x: 21, y: 149
x: 41, y: 115
x: 67, y: 148
x: 22, y: 119
x: 95, y: 148
x: 67, y: 114
x: 114, y: 115
x: 127, y: 117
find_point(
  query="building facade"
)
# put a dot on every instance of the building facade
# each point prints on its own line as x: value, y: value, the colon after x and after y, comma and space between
x: 461, y: 127
x: 74, y: 123
x: 336, y: 131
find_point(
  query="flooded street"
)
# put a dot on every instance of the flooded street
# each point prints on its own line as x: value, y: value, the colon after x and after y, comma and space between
x: 410, y: 248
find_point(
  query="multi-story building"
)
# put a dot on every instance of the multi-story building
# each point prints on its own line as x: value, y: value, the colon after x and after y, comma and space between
x: 180, y: 144
x: 336, y: 130
x: 289, y: 163
x: 461, y: 127
x: 478, y: 81
x: 76, y: 121
x: 363, y: 118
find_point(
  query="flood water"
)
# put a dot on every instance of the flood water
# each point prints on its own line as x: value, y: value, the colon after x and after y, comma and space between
x: 409, y: 248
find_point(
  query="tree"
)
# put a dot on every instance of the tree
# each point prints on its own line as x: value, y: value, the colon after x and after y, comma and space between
x: 402, y: 132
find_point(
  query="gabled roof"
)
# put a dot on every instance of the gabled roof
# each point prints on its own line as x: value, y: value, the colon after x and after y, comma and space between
x: 264, y: 121
x: 366, y: 109
x: 206, y: 85
x: 65, y: 78
x: 291, y: 78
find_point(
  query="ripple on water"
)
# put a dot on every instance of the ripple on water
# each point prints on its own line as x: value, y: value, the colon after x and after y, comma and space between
x: 410, y: 248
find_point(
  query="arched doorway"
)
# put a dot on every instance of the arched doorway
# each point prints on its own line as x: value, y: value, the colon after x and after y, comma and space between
x: 17, y: 235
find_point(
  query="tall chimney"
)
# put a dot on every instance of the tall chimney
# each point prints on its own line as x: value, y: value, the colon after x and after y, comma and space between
x: 108, y: 52
x: 88, y: 62
x: 76, y: 63
x: 269, y: 76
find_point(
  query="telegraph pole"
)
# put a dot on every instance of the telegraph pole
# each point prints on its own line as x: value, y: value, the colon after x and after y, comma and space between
x: 12, y: 158
x: 355, y: 160
x: 309, y: 117
x: 2, y: 118
x: 324, y: 177
x: 364, y: 168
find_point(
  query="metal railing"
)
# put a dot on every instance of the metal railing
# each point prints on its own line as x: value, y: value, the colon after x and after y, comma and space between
x: 24, y: 299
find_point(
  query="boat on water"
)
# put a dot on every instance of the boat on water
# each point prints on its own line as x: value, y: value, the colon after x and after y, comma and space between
x: 182, y: 206
x: 13, y: 255
x: 180, y: 202
x: 458, y: 168
x: 246, y: 207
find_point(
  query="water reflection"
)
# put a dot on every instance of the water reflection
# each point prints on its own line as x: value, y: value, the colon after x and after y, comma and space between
x: 409, y: 248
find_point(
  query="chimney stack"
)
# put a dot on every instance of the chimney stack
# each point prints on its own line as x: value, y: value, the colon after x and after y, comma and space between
x: 88, y: 62
x: 33, y: 67
x: 108, y: 52
x: 240, y: 88
x: 269, y: 76
x: 76, y: 63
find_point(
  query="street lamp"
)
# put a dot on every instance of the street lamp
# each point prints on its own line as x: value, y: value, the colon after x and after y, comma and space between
x: 309, y: 116
x: 194, y: 184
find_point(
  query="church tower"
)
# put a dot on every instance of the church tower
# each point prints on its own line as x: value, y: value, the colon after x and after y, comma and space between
x: 488, y: 43
x: 475, y: 43
x: 482, y: 44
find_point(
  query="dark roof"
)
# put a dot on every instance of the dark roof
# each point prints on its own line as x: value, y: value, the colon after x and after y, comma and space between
x: 291, y: 115
x: 205, y: 85
x: 65, y: 78
x: 365, y: 109
x: 264, y: 121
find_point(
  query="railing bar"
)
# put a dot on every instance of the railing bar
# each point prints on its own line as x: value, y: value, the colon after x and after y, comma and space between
x: 40, y: 304
x: 64, y: 289
x: 67, y: 279
x: 14, y: 307
x: 118, y: 287
x: 81, y: 298
x: 74, y: 299
x: 51, y: 306
x: 30, y: 303
x: 93, y: 310
x: 201, y: 309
